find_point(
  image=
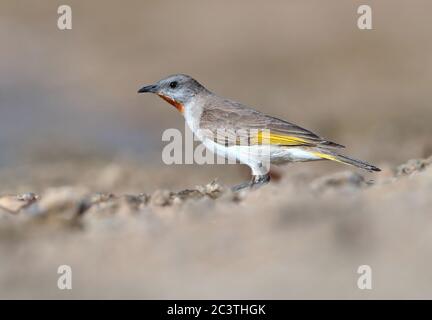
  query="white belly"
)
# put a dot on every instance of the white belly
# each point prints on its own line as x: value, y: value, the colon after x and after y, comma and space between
x: 259, y: 157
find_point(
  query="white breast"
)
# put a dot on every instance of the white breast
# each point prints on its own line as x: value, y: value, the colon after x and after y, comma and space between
x: 193, y: 111
x: 192, y: 115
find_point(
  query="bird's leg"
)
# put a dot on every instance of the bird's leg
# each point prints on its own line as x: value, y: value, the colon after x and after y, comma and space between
x: 256, y: 182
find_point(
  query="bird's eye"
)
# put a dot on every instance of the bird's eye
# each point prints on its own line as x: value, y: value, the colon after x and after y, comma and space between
x: 173, y: 84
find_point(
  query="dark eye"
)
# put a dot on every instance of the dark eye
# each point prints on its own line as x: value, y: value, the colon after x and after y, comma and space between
x: 173, y: 84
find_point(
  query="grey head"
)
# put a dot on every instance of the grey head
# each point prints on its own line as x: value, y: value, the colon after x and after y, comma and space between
x: 177, y: 89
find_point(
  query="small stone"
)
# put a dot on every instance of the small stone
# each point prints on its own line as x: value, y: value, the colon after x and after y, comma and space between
x: 14, y: 204
x: 101, y: 197
x: 412, y: 166
x: 161, y: 198
x: 28, y: 197
x: 189, y: 194
x: 61, y: 199
x: 213, y: 189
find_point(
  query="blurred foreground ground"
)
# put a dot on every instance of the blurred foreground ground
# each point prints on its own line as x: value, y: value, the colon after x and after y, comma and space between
x: 301, y: 237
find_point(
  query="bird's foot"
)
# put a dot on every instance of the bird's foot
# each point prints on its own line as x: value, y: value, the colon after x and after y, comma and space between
x: 241, y: 186
x: 258, y: 181
x: 255, y: 183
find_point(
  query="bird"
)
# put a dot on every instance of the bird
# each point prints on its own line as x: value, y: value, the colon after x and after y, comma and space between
x: 221, y: 124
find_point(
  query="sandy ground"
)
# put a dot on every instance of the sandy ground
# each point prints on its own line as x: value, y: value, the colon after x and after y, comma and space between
x: 301, y: 237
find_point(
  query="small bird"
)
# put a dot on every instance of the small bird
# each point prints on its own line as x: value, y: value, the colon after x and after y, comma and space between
x: 208, y: 114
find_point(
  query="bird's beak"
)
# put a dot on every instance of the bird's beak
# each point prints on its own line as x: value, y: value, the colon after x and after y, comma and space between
x: 151, y: 89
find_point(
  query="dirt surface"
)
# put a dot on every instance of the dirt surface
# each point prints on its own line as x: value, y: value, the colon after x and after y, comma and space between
x: 301, y: 237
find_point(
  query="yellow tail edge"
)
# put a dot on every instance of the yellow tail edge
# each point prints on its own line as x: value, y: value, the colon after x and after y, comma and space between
x: 346, y: 160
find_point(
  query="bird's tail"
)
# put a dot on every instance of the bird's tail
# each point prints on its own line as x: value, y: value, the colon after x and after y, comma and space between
x: 347, y: 160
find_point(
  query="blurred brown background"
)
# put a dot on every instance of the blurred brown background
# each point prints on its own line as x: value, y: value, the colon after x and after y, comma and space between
x: 72, y: 125
x: 72, y: 94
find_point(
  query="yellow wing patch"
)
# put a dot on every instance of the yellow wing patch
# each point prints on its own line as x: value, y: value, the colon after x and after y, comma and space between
x: 266, y: 138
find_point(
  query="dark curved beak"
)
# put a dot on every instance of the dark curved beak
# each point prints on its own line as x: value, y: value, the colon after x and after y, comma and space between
x: 151, y: 89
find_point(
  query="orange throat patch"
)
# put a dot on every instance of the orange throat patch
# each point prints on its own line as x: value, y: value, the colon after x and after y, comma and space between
x: 176, y: 104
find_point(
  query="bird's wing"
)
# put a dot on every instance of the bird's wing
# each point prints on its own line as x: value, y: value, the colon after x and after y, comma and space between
x: 231, y: 123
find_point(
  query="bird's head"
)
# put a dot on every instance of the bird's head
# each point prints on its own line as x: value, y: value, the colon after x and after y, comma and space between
x: 178, y: 90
